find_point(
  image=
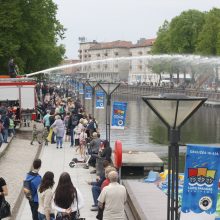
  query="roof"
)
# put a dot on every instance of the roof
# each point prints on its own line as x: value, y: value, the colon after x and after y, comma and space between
x: 144, y: 43
x: 111, y: 45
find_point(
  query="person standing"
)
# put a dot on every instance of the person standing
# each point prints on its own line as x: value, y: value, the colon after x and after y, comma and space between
x: 114, y: 197
x: 1, y: 132
x: 67, y: 199
x: 3, y: 190
x: 35, y: 135
x: 6, y: 125
x: 58, y: 125
x: 45, y: 195
x: 12, y: 68
x: 34, y: 180
x: 46, y: 120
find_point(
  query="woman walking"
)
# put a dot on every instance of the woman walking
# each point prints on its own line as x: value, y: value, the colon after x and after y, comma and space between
x: 45, y: 196
x: 59, y: 129
x: 67, y: 199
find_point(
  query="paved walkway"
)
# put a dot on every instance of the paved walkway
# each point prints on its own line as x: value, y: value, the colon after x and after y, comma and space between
x: 57, y: 161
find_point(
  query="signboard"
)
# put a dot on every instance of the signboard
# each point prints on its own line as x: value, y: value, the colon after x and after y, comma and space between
x: 119, y: 115
x: 88, y: 92
x: 100, y: 99
x: 201, y: 177
x: 81, y: 92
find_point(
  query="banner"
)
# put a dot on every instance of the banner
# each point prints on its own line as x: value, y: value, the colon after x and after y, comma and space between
x: 100, y: 99
x: 88, y: 92
x: 201, y: 177
x: 81, y: 92
x: 119, y: 115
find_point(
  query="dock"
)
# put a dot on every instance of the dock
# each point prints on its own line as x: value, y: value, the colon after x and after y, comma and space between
x: 145, y: 201
x: 136, y: 163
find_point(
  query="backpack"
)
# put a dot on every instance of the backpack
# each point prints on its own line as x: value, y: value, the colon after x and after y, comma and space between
x: 27, y: 188
x: 75, y: 120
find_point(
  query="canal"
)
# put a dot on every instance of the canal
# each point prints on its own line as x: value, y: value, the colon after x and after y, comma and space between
x: 145, y: 132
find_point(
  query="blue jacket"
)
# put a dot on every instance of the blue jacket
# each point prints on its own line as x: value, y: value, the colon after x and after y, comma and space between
x: 35, y: 182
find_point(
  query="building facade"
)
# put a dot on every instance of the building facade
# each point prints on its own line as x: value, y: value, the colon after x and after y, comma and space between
x: 130, y: 71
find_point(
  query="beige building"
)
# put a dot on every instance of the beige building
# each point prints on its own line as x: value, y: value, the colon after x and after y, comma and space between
x: 128, y: 71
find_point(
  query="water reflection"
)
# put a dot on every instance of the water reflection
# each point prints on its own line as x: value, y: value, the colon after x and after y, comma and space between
x: 145, y: 132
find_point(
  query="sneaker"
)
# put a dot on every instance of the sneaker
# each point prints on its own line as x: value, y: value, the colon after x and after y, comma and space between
x: 86, y: 167
x: 31, y: 143
x: 92, y: 172
x: 94, y: 205
x: 96, y: 208
x: 61, y: 147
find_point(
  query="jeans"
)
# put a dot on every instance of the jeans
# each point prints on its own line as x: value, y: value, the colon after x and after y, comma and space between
x: 53, y: 138
x: 34, y: 208
x: 59, y: 141
x: 72, y: 136
x: 96, y: 190
x: 1, y: 139
x: 5, y: 135
x: 43, y: 217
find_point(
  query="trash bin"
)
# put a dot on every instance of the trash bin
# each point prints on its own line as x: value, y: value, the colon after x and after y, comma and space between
x: 99, y: 167
x: 33, y: 116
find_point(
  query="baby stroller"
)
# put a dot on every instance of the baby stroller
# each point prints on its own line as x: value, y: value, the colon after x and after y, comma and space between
x: 76, y: 163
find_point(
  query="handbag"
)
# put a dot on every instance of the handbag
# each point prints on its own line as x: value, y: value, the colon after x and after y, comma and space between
x: 5, y: 209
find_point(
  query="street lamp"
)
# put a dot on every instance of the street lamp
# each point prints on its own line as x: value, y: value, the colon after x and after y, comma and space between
x: 93, y: 84
x: 83, y: 80
x: 173, y: 110
x: 108, y: 88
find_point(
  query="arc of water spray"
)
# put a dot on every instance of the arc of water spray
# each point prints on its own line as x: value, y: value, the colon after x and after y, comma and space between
x: 182, y: 58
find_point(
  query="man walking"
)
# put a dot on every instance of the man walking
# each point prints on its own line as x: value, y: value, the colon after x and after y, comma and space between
x: 33, y: 180
x: 114, y: 197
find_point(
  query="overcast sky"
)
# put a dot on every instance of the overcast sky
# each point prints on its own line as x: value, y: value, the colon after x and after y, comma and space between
x: 109, y: 20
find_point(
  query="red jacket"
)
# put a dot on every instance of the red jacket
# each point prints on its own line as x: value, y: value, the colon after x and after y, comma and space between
x: 105, y: 183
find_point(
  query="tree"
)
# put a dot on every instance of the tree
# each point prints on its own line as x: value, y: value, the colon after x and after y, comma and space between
x: 162, y: 43
x: 184, y: 31
x: 209, y: 37
x: 30, y: 34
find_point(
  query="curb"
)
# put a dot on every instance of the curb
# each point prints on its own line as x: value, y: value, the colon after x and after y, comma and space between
x: 6, y: 147
x: 20, y: 198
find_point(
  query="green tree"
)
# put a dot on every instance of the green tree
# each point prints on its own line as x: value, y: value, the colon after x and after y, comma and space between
x: 209, y: 37
x: 29, y: 32
x: 184, y: 31
x: 162, y: 43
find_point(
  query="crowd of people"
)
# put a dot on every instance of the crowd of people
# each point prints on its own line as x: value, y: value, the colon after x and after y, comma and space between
x: 65, y: 119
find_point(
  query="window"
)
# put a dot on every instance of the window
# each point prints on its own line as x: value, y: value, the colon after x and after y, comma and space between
x: 116, y: 53
x: 106, y: 54
x: 89, y: 55
x: 116, y: 65
x: 130, y: 54
x: 98, y: 54
x: 140, y: 53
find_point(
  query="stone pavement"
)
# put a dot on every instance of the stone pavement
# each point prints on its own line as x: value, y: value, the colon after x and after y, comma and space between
x: 57, y: 161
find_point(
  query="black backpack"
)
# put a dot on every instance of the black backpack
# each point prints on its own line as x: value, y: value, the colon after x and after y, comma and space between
x: 75, y: 120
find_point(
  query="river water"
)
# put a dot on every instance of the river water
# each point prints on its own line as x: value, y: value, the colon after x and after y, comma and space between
x: 145, y: 132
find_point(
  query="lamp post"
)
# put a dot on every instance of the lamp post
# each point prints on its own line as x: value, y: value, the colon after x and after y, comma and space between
x: 173, y: 110
x: 93, y: 84
x: 83, y: 80
x: 108, y: 88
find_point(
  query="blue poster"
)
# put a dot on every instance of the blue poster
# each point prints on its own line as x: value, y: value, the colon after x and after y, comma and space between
x: 119, y: 115
x: 201, y: 177
x: 81, y: 92
x: 88, y: 92
x: 100, y: 99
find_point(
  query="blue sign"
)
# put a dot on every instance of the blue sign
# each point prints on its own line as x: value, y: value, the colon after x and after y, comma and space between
x: 76, y: 87
x: 200, y: 192
x: 88, y: 92
x: 81, y: 92
x: 119, y: 115
x: 100, y: 99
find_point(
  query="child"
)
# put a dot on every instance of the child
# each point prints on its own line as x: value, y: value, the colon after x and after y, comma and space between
x: 35, y: 135
x: 82, y: 142
x: 44, y: 136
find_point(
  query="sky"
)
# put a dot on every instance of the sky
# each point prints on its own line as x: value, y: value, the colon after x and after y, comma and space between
x: 110, y: 20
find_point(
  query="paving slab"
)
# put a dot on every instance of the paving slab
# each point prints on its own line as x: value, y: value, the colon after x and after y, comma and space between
x: 57, y: 161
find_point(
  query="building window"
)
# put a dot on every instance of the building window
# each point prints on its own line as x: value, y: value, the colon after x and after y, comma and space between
x: 140, y: 53
x: 98, y: 54
x: 106, y: 54
x: 98, y: 66
x: 130, y: 67
x: 89, y: 55
x: 116, y: 53
x: 140, y: 67
x: 85, y: 56
x: 116, y: 65
x: 105, y: 66
x: 80, y: 51
x: 130, y: 54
